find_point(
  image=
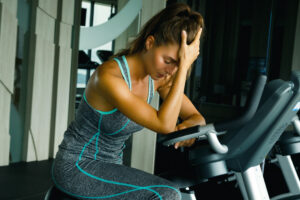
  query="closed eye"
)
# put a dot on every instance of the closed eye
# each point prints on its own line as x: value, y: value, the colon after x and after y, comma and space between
x: 168, y: 62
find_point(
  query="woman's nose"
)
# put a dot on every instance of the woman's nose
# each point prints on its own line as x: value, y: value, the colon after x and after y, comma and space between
x: 169, y: 70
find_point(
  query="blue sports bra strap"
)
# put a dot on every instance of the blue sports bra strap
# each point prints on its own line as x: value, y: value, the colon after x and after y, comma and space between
x: 122, y: 63
x: 127, y: 70
x: 151, y: 89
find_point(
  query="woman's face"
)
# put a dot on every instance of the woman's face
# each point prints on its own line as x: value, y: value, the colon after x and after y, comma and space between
x: 161, y: 61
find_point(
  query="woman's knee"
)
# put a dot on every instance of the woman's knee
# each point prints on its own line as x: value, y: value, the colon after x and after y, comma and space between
x: 170, y: 194
x: 173, y: 195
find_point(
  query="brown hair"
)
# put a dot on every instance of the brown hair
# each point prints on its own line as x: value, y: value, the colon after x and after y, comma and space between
x: 166, y: 27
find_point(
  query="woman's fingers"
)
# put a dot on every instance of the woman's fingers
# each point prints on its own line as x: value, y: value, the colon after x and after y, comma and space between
x: 198, y: 35
x: 183, y: 38
x: 196, y: 42
x: 186, y: 143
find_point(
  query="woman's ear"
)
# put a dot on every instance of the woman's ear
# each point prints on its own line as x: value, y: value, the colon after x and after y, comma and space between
x: 149, y: 42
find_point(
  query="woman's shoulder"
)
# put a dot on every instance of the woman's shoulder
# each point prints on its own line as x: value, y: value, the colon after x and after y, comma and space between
x: 108, y: 68
x: 106, y: 72
x: 106, y: 75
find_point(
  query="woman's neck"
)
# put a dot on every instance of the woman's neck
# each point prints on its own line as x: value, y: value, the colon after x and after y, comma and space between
x: 137, y: 67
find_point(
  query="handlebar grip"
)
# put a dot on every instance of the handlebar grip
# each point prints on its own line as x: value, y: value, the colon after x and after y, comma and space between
x: 215, y: 143
x: 296, y: 124
x: 195, y: 132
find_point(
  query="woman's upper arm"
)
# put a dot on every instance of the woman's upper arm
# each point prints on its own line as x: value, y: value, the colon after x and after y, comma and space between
x: 115, y: 90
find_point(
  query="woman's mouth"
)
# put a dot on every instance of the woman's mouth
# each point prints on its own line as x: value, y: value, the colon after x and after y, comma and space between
x: 160, y: 75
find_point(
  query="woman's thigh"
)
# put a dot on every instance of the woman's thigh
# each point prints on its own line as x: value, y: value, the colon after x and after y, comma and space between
x: 91, y: 179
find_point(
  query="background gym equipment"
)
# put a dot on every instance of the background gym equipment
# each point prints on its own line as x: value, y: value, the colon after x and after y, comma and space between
x: 247, y: 145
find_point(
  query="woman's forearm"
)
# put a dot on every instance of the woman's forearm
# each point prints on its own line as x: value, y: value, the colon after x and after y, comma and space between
x: 170, y: 108
x: 193, y: 120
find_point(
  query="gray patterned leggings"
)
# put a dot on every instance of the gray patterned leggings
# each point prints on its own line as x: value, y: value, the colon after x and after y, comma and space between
x: 92, y: 179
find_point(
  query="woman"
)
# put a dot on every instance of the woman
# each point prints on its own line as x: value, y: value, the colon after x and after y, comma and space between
x: 88, y: 164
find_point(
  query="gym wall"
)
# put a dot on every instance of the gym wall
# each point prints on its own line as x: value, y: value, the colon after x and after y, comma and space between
x: 8, y: 39
x: 38, y: 66
x: 49, y: 73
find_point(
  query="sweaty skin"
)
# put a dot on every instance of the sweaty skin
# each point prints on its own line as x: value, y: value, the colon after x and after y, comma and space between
x: 168, y: 66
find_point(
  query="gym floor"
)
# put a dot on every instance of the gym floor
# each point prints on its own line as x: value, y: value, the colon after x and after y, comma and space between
x: 30, y: 181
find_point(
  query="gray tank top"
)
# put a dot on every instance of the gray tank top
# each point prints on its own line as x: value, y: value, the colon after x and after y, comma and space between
x: 101, y: 135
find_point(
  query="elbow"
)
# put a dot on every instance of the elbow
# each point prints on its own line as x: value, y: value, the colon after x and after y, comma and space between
x: 166, y: 129
x: 198, y: 119
x: 202, y: 121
